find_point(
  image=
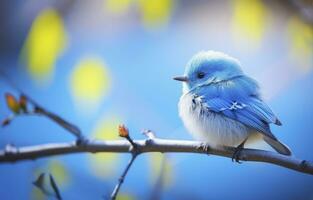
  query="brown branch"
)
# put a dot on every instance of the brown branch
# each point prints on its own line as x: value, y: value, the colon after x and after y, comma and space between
x: 38, y: 110
x: 14, y: 154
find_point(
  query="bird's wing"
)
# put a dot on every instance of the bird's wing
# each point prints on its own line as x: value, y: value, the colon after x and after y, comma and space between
x: 233, y: 101
x: 253, y: 113
x: 239, y: 100
x: 245, y: 112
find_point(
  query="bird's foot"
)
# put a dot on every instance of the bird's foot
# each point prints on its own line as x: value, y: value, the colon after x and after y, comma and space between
x: 236, y: 154
x: 238, y: 149
x: 204, y: 147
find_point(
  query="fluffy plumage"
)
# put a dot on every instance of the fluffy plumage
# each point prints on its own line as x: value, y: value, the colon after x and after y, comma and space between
x: 221, y: 105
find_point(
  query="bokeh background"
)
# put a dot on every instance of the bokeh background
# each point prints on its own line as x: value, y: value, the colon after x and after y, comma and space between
x: 100, y: 63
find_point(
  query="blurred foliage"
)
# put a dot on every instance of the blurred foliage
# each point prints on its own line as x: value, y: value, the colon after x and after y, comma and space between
x: 36, y: 194
x: 301, y: 38
x: 124, y: 196
x: 90, y: 81
x: 249, y: 19
x: 161, y: 170
x: 118, y: 6
x: 155, y: 12
x: 12, y: 103
x: 44, y: 44
x: 60, y: 174
x: 104, y: 165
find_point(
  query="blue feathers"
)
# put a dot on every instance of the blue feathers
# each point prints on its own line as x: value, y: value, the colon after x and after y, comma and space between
x: 236, y: 101
x: 225, y: 89
x: 222, y: 105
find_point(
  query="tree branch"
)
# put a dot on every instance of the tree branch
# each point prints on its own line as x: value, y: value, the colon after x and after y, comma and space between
x: 123, y: 132
x: 121, y: 179
x: 13, y: 154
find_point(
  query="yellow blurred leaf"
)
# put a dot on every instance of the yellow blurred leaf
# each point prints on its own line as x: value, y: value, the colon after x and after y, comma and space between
x: 160, y: 168
x: 117, y: 6
x: 123, y: 196
x: 90, y: 81
x: 36, y: 194
x: 249, y: 19
x: 301, y: 38
x: 104, y: 165
x: 12, y: 103
x: 59, y: 172
x: 155, y: 12
x: 44, y: 44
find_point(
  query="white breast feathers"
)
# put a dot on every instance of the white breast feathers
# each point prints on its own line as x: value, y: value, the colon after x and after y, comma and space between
x: 209, y: 126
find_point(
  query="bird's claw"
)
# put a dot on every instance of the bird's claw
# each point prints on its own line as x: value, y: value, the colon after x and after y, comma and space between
x: 236, y: 155
x: 204, y: 147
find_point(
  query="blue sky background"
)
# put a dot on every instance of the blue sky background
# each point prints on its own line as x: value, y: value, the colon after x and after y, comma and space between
x: 141, y: 55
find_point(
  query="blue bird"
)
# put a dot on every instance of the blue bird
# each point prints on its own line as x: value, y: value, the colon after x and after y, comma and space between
x: 222, y: 106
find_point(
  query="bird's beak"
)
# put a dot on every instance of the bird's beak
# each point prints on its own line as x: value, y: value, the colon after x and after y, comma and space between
x: 181, y: 78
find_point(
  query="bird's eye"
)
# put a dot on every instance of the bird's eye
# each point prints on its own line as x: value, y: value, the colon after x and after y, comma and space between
x: 200, y: 75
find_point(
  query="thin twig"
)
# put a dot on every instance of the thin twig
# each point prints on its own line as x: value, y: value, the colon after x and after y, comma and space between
x: 122, y: 178
x: 134, y: 145
x: 157, y: 145
x: 55, y: 187
x: 123, y: 132
x: 38, y: 109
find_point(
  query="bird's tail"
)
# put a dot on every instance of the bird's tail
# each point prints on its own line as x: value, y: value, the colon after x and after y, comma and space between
x: 278, y: 146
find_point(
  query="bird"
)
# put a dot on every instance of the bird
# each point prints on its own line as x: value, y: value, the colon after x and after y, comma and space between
x: 222, y: 106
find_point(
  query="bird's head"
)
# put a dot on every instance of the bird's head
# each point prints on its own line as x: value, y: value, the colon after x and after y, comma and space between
x: 209, y: 65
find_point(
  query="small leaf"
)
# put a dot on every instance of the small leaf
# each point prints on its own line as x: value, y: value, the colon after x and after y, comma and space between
x: 40, y: 181
x: 23, y: 103
x: 12, y: 103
